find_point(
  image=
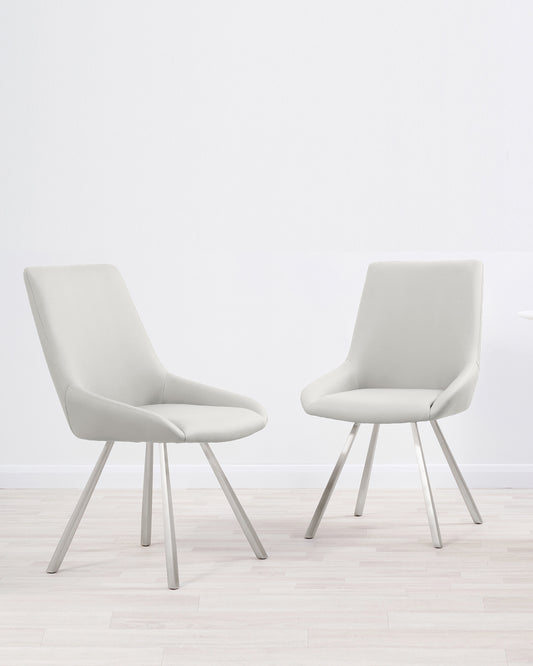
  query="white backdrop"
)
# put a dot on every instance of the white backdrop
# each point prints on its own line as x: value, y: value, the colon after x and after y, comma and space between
x: 242, y: 163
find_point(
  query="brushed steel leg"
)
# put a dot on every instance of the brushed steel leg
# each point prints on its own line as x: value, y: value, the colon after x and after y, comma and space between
x: 168, y: 521
x: 365, y: 479
x: 428, y: 496
x: 146, y: 513
x: 465, y: 492
x: 328, y: 490
x: 77, y: 514
x: 239, y: 512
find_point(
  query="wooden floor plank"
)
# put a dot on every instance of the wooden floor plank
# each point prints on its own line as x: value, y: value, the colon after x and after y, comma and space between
x: 369, y: 590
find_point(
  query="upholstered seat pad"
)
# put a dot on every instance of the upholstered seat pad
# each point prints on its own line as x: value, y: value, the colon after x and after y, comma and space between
x: 376, y: 405
x: 208, y: 423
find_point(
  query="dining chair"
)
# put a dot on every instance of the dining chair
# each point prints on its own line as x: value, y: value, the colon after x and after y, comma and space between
x: 414, y: 357
x: 112, y: 387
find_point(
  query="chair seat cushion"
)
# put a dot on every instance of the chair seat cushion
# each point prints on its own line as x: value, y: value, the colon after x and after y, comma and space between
x: 207, y: 423
x: 376, y: 405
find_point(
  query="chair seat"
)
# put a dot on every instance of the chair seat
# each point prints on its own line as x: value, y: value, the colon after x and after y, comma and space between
x: 208, y: 423
x: 376, y: 405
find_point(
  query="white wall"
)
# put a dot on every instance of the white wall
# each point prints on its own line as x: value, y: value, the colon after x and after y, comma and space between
x: 242, y: 163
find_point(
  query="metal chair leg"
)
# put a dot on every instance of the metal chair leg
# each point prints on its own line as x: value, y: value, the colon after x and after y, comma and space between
x: 77, y: 514
x: 465, y: 492
x: 239, y: 512
x: 146, y: 513
x: 428, y: 496
x: 328, y: 490
x: 365, y: 479
x: 168, y: 521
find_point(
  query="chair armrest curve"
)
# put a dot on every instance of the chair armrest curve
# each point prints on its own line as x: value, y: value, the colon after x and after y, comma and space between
x: 92, y: 416
x: 457, y: 396
x: 338, y: 380
x: 181, y: 390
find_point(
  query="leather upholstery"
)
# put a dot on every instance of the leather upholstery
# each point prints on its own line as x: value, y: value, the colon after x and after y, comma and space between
x: 415, y: 348
x: 108, y: 378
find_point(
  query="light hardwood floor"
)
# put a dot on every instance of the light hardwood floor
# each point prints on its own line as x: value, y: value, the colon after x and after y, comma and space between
x: 368, y: 590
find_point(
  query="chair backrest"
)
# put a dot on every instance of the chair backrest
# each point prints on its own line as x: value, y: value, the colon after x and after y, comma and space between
x: 419, y: 323
x: 91, y: 334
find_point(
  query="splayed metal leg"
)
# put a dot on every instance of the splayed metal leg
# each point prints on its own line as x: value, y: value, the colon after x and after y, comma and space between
x: 239, y: 512
x: 146, y: 513
x: 426, y: 487
x: 328, y: 490
x: 168, y: 521
x: 365, y: 479
x: 77, y: 514
x: 461, y: 484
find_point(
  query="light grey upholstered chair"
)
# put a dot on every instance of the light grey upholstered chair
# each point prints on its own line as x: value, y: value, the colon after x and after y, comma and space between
x: 112, y: 387
x: 414, y: 357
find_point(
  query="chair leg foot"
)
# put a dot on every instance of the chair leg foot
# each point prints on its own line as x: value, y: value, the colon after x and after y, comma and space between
x: 365, y: 479
x: 79, y: 510
x: 461, y: 484
x: 146, y: 512
x: 428, y: 496
x: 239, y: 512
x: 330, y: 486
x: 168, y: 521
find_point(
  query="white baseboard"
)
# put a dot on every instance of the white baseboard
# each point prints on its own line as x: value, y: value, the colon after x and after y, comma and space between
x: 266, y: 476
